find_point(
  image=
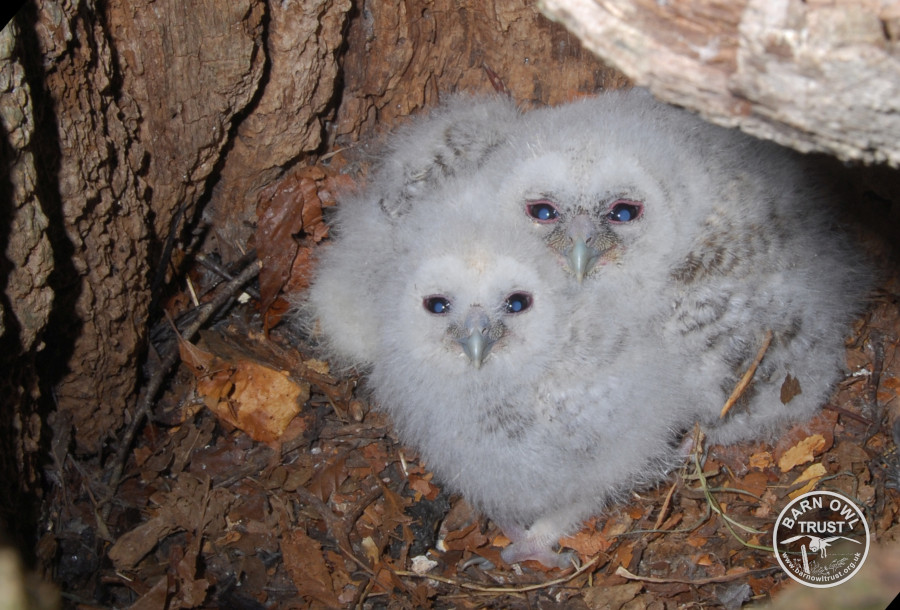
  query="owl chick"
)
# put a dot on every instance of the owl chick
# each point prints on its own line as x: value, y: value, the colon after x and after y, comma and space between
x: 454, y: 138
x: 710, y: 237
x: 490, y: 364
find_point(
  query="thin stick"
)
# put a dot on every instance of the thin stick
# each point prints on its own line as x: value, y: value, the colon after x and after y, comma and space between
x: 226, y: 292
x: 515, y: 589
x: 748, y: 376
x: 665, y: 507
x: 620, y: 571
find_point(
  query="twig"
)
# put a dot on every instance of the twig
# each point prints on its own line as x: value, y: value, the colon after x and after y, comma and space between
x: 665, y: 507
x: 748, y: 376
x: 160, y: 275
x: 620, y: 571
x: 517, y: 589
x: 149, y: 392
x: 848, y: 414
x: 223, y: 273
x: 875, y: 381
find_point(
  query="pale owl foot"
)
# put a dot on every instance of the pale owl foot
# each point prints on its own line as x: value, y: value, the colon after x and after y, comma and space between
x: 536, y: 543
x: 528, y: 549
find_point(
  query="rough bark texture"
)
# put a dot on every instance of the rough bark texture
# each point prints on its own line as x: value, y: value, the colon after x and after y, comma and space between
x: 403, y: 57
x: 190, y: 66
x: 98, y: 216
x: 26, y: 261
x: 820, y: 75
x: 287, y: 122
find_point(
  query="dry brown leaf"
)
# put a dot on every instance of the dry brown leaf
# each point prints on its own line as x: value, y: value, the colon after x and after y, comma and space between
x: 191, y: 591
x: 423, y: 487
x: 761, y: 460
x: 588, y: 541
x: 805, y: 441
x: 155, y: 598
x: 328, y: 479
x: 790, y: 389
x: 286, y: 210
x: 371, y: 550
x: 178, y: 511
x: 812, y: 476
x: 801, y: 453
x: 754, y: 482
x: 310, y: 574
x: 611, y: 598
x: 696, y: 541
x: 254, y: 398
x: 469, y: 538
x: 200, y: 361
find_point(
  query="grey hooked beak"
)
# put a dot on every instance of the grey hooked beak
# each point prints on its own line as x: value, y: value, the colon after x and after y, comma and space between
x: 581, y: 259
x: 477, y: 342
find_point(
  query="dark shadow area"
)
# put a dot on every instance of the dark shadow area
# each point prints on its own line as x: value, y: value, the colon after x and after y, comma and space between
x: 32, y: 376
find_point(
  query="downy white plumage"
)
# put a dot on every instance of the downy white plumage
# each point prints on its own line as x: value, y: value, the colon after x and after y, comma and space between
x: 547, y: 313
x: 705, y: 238
x: 491, y: 364
x: 456, y: 137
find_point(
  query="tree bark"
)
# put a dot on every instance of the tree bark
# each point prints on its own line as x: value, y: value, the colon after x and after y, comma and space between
x: 819, y: 75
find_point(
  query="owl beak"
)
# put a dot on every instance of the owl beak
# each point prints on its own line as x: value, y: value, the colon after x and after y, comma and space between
x: 581, y: 259
x: 477, y: 343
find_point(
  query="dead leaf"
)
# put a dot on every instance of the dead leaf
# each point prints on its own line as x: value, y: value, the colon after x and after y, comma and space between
x: 155, y: 598
x: 812, y: 475
x: 805, y: 441
x: 328, y: 478
x: 423, y: 487
x: 200, y: 361
x: 790, y: 389
x: 696, y: 541
x: 761, y: 460
x: 307, y: 568
x: 469, y: 539
x: 801, y: 453
x: 754, y: 482
x: 287, y: 210
x: 254, y: 398
x: 588, y: 541
x: 191, y: 591
x: 611, y: 598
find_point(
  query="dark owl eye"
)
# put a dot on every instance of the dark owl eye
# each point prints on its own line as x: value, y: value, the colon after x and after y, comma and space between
x: 436, y: 304
x: 518, y: 302
x: 625, y: 210
x: 542, y: 211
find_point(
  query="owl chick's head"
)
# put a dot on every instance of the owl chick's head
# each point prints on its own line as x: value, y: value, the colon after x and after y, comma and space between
x: 477, y: 307
x: 603, y: 179
x: 475, y: 302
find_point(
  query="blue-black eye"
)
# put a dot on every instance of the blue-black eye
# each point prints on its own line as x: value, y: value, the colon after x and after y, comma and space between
x: 437, y: 305
x: 625, y: 210
x: 542, y: 211
x: 518, y: 302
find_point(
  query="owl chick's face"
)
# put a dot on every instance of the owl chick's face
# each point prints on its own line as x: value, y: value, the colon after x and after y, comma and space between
x: 477, y: 314
x: 592, y: 209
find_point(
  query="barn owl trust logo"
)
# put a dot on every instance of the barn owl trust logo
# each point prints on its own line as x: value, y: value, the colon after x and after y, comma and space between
x: 821, y: 539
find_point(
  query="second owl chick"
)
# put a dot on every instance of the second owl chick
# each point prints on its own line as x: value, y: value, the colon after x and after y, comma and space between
x: 703, y: 237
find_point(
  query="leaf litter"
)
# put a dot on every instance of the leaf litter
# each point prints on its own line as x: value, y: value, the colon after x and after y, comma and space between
x: 263, y: 480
